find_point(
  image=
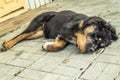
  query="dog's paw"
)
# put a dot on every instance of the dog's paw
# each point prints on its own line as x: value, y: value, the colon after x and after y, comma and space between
x: 47, y: 46
x: 6, y: 45
x: 2, y: 49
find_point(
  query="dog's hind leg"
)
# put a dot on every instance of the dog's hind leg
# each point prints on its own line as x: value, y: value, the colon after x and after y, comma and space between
x: 57, y: 45
x: 10, y: 43
x: 37, y: 34
x: 34, y: 30
x: 23, y: 36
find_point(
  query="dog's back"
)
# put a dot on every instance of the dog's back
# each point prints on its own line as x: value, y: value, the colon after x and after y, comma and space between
x: 56, y: 23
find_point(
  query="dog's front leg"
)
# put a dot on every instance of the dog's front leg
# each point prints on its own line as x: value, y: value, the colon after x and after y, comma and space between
x: 81, y: 42
x: 57, y: 45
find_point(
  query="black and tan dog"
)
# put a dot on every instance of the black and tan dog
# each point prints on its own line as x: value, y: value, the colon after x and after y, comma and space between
x: 88, y: 33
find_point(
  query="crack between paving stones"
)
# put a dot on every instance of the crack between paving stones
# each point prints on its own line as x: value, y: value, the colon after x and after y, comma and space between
x: 36, y: 60
x: 12, y: 65
x: 117, y: 76
x: 101, y: 72
x: 67, y: 58
x: 24, y: 68
x: 24, y: 78
x: 49, y: 72
x: 17, y: 73
x: 110, y: 63
x: 99, y: 53
x: 21, y: 66
x: 54, y: 73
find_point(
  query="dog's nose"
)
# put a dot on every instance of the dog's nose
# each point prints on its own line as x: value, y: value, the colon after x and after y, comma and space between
x: 2, y: 49
x: 92, y: 48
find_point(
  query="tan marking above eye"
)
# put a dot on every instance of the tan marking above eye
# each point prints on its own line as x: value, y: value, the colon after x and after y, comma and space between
x: 89, y: 29
x: 81, y: 24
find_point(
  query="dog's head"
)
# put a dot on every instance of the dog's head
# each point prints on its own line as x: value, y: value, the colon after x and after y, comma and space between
x: 89, y: 35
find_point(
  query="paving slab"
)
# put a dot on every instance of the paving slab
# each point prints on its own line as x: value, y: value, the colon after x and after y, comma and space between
x: 110, y: 72
x: 67, y: 71
x: 31, y: 56
x: 21, y: 62
x: 47, y: 63
x: 112, y: 51
x: 65, y: 53
x: 6, y: 77
x: 32, y: 74
x: 109, y: 59
x: 94, y: 71
x: 56, y: 77
x: 8, y: 72
x: 8, y: 56
x: 27, y: 60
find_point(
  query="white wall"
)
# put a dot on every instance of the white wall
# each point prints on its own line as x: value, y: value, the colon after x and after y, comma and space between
x: 36, y: 3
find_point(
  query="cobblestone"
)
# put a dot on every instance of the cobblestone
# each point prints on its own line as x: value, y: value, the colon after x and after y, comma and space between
x: 27, y: 60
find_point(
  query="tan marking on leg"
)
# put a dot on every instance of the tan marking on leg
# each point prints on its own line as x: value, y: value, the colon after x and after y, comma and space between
x: 41, y: 27
x: 81, y: 41
x: 56, y: 46
x: 10, y: 43
x: 36, y: 35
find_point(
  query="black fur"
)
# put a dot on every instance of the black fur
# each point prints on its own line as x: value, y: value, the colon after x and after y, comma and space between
x: 60, y: 21
x: 66, y: 24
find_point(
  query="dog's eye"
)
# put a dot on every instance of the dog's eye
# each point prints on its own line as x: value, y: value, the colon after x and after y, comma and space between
x: 99, y: 39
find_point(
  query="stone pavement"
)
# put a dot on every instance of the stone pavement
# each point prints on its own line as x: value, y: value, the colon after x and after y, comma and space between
x: 27, y: 61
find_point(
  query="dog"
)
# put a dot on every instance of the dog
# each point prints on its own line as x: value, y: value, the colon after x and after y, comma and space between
x: 87, y: 33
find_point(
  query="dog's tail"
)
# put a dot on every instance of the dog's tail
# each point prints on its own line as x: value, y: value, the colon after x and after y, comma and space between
x: 39, y: 20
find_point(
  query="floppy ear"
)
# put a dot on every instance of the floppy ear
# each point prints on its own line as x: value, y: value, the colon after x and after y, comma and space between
x: 106, y: 26
x: 112, y: 30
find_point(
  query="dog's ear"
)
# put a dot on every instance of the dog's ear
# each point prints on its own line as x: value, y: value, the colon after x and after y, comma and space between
x: 107, y: 27
x: 112, y: 30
